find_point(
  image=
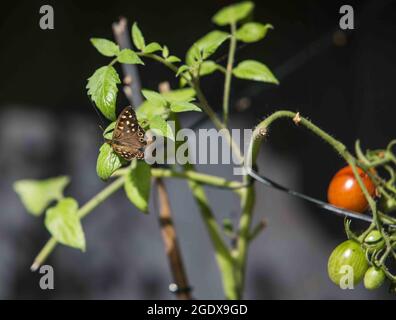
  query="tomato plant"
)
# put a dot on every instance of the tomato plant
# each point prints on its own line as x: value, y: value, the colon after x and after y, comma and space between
x: 353, y: 187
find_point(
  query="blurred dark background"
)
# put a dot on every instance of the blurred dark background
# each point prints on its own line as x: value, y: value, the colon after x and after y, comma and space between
x: 343, y: 82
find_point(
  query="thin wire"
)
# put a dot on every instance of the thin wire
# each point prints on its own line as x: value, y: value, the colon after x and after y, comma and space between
x: 319, y: 203
x: 270, y: 183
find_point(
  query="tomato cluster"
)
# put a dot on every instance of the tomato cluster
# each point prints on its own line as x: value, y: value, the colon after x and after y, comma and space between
x: 351, y: 254
x: 344, y: 191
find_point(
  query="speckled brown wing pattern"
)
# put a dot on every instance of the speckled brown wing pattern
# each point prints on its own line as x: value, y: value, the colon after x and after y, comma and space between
x: 128, y: 137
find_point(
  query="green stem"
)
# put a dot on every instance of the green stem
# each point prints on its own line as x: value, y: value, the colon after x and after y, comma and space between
x: 247, y: 204
x: 223, y: 255
x: 113, y: 62
x: 198, y: 177
x: 222, y: 252
x: 228, y: 75
x: 158, y: 59
x: 82, y: 212
x: 206, y: 107
x: 217, y: 122
x: 373, y: 207
x: 257, y: 229
x: 44, y: 253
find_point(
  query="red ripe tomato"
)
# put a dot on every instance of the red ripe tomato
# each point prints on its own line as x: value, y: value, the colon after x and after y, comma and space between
x: 344, y: 190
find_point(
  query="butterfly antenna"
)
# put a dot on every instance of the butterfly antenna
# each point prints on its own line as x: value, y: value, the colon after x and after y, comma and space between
x: 102, y: 124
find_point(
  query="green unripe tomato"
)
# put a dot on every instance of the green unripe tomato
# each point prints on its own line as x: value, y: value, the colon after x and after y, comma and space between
x: 347, y: 257
x: 374, y: 278
x: 374, y: 240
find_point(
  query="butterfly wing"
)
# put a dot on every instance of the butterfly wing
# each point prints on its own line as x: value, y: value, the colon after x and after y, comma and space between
x: 128, y: 137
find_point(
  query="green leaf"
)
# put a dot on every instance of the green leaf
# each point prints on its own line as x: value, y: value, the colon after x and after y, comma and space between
x: 152, y: 47
x: 102, y: 87
x: 183, y: 81
x: 161, y: 127
x: 106, y: 47
x: 129, y: 56
x: 63, y: 222
x: 148, y: 110
x: 187, y: 94
x: 154, y: 97
x: 254, y: 70
x: 184, y: 106
x: 206, y: 46
x: 108, y: 162
x: 108, y: 132
x: 137, y: 37
x: 138, y: 185
x: 173, y: 59
x: 165, y: 52
x: 253, y: 31
x: 36, y: 195
x: 233, y: 13
x: 207, y: 67
x: 182, y: 69
x: 193, y: 55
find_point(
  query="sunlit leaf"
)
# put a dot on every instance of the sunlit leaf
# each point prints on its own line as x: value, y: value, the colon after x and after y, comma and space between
x: 63, y: 223
x: 36, y: 195
x: 165, y: 52
x: 106, y: 47
x: 148, y: 110
x: 182, y: 69
x: 154, y: 97
x: 108, y: 162
x: 207, y: 67
x: 102, y: 87
x: 129, y: 56
x: 253, y: 31
x: 138, y: 184
x: 184, y: 106
x: 161, y: 127
x: 152, y: 47
x: 206, y: 46
x: 254, y: 70
x: 137, y: 37
x: 186, y: 94
x: 173, y: 59
x: 233, y: 13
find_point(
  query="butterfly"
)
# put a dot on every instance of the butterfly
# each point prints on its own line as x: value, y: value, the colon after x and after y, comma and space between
x: 128, y: 136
